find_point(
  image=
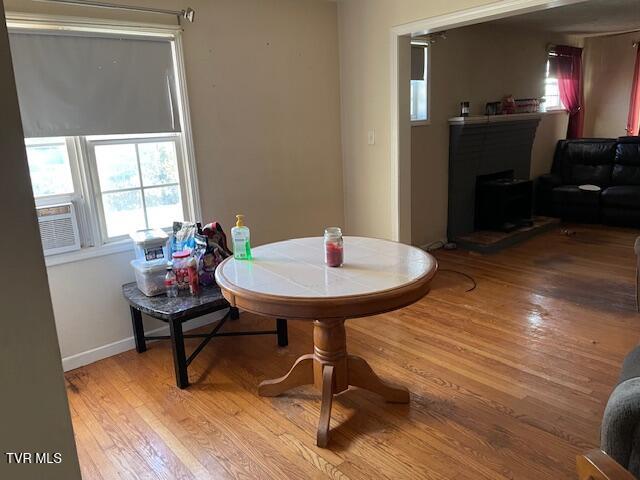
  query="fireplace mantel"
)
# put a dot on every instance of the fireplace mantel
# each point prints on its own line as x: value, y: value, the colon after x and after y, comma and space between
x: 475, y: 119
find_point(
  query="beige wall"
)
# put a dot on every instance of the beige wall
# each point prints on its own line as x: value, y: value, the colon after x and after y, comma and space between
x: 365, y: 44
x: 265, y: 107
x: 35, y: 415
x: 608, y: 75
x: 480, y: 63
x: 553, y: 127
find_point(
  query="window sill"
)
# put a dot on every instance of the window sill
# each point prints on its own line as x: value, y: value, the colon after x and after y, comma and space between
x: 420, y: 123
x: 555, y: 110
x: 89, y: 252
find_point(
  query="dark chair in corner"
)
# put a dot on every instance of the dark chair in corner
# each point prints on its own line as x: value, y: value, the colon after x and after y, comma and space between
x: 619, y: 454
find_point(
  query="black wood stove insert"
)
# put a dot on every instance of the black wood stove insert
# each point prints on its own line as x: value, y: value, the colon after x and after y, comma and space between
x: 503, y: 202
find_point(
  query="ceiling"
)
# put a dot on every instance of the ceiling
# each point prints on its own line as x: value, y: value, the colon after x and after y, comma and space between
x: 594, y: 17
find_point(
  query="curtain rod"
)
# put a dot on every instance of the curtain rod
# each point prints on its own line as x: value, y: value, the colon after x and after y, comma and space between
x: 187, y: 14
x: 428, y: 39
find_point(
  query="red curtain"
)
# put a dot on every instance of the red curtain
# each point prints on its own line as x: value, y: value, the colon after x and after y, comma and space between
x: 633, y: 123
x: 567, y: 64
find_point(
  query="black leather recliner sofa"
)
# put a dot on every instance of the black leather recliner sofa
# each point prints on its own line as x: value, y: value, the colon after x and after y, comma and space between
x: 611, y: 164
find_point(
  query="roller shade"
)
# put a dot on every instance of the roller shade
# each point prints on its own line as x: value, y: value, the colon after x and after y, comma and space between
x: 72, y: 84
x: 417, y: 62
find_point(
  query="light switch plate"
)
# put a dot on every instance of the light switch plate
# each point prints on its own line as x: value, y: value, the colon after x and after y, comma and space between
x: 371, y: 137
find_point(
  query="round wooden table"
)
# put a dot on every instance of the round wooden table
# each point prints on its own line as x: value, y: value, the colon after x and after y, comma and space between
x: 290, y: 280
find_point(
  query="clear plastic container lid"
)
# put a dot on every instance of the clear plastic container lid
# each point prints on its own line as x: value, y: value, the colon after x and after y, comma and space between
x: 149, y: 238
x: 149, y: 267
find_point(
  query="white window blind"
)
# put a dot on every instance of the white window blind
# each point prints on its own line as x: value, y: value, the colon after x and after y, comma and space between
x: 72, y: 84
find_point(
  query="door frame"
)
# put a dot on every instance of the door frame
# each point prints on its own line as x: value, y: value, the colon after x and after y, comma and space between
x: 400, y: 134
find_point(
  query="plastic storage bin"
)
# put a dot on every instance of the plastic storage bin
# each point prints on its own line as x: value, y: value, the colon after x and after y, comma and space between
x: 150, y: 245
x: 150, y: 276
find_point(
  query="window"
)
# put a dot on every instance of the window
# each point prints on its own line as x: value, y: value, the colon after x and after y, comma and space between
x: 83, y: 148
x: 551, y: 90
x: 419, y: 82
x: 136, y: 180
x: 137, y: 183
x: 50, y: 167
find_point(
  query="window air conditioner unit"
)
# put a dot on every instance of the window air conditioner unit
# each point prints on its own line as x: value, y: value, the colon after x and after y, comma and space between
x: 58, y: 228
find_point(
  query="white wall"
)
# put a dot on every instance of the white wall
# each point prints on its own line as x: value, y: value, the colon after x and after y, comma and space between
x: 34, y: 414
x: 608, y: 74
x: 89, y: 308
x: 264, y: 92
x: 481, y: 63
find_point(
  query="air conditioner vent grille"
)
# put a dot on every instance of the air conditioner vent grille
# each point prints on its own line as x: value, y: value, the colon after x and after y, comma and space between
x: 58, y: 229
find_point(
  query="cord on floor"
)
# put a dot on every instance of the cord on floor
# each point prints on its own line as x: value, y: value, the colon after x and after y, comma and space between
x: 440, y: 244
x: 473, y: 280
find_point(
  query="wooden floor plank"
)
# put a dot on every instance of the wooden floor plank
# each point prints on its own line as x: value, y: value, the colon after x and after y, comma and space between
x: 507, y: 381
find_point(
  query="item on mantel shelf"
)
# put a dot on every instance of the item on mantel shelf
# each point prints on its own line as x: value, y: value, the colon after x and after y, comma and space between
x: 333, y: 247
x: 150, y: 244
x: 241, y: 239
x: 527, y: 105
x: 465, y: 108
x: 493, y: 108
x: 508, y: 105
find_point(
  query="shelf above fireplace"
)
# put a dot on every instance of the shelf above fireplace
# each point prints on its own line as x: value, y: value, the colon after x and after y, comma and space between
x: 514, y: 117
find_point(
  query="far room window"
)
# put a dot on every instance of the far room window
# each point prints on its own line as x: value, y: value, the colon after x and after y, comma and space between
x: 419, y: 82
x: 551, y: 90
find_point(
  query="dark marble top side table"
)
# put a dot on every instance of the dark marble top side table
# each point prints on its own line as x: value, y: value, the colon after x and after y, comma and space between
x: 176, y: 311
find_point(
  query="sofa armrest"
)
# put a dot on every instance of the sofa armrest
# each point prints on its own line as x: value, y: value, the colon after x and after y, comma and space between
x: 544, y: 186
x: 597, y: 465
x: 618, y: 436
x: 549, y: 181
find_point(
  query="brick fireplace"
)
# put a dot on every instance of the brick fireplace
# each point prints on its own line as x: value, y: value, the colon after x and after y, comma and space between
x: 484, y: 146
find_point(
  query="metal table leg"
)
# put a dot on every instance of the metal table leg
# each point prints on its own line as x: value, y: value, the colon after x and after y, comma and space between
x: 177, y: 337
x: 138, y: 330
x: 179, y: 357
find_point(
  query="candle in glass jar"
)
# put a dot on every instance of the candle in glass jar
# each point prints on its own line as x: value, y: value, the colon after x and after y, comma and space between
x: 333, y: 247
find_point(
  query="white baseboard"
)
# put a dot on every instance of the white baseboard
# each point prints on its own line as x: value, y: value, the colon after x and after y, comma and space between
x: 85, y: 358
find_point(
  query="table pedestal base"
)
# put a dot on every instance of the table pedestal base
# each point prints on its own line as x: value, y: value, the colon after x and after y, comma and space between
x: 332, y: 371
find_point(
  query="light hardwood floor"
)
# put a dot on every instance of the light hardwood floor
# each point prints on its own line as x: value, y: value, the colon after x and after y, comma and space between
x: 508, y: 381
